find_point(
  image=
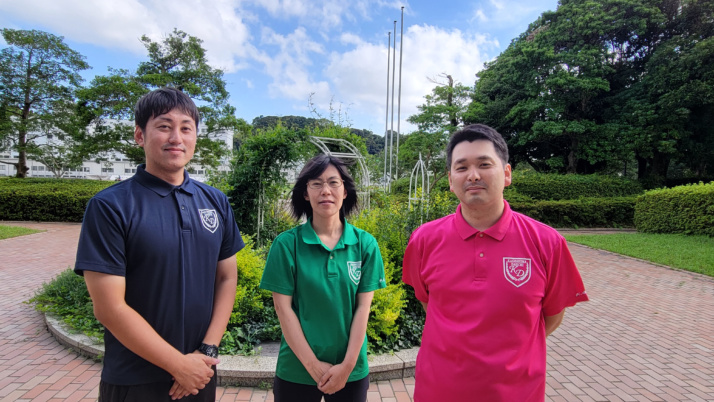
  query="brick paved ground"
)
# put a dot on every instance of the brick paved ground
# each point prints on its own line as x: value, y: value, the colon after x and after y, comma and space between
x: 646, y: 335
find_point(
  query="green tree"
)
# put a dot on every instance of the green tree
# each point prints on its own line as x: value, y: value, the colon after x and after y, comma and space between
x: 445, y: 110
x: 257, y: 175
x: 670, y: 110
x: 39, y: 74
x: 549, y: 91
x: 596, y: 84
x: 178, y: 61
x: 64, y: 146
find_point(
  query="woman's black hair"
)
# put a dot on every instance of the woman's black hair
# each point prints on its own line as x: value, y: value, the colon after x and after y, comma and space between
x: 312, y: 170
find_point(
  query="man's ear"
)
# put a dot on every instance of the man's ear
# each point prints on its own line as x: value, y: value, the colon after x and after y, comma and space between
x: 139, y: 136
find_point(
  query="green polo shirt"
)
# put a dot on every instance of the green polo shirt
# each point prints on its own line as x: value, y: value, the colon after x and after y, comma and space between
x: 324, y: 284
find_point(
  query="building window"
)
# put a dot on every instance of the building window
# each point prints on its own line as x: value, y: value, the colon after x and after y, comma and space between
x: 107, y: 170
x: 2, y: 167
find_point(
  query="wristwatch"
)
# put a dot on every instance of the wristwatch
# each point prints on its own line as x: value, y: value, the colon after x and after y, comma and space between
x: 209, y: 350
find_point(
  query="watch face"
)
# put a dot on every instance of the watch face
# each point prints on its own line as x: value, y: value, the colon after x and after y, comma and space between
x: 209, y: 350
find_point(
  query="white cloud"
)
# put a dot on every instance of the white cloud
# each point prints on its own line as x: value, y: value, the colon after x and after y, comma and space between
x: 501, y: 13
x: 289, y: 64
x: 119, y: 24
x: 360, y: 75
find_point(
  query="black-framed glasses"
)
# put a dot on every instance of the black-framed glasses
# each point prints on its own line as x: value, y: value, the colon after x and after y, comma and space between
x: 319, y: 184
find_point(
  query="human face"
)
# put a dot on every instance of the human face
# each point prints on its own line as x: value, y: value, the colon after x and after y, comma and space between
x: 169, y: 142
x: 327, y: 201
x: 477, y: 175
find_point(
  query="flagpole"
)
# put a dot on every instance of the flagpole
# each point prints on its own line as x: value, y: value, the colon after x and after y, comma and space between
x: 386, y: 113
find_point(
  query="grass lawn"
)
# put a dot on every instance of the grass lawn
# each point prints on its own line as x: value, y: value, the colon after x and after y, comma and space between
x: 690, y: 253
x: 7, y: 232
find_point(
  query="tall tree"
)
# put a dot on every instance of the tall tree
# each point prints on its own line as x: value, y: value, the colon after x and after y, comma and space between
x: 559, y: 75
x: 38, y: 75
x: 670, y: 109
x: 445, y: 109
x: 595, y: 84
x: 178, y: 61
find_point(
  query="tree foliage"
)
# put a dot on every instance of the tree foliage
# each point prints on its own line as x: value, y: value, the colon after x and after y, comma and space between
x: 445, y: 110
x: 596, y: 84
x: 178, y: 61
x: 39, y: 74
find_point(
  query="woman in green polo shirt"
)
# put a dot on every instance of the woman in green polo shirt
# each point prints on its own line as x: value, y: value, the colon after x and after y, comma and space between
x: 323, y: 275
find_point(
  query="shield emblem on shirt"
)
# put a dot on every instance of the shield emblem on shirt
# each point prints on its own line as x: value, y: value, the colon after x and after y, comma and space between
x: 517, y: 270
x: 209, y: 219
x: 355, y: 270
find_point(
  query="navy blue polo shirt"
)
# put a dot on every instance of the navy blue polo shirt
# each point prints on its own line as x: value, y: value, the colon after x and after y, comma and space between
x: 166, y: 241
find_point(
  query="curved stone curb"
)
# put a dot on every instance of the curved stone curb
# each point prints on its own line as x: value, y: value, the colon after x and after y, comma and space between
x: 245, y: 371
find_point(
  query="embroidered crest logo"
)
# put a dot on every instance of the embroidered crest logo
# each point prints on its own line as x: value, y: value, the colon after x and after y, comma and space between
x: 355, y: 270
x: 209, y: 219
x: 517, y: 270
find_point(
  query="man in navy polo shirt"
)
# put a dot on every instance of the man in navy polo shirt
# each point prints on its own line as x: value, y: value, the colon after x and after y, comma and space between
x: 157, y: 252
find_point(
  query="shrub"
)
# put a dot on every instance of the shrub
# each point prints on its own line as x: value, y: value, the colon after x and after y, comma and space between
x: 685, y: 209
x: 547, y: 186
x: 253, y: 318
x: 67, y: 297
x: 585, y: 212
x: 387, y: 304
x: 47, y: 200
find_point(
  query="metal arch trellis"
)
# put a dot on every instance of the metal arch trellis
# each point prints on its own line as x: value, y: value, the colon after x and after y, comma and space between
x: 363, y: 188
x: 418, y: 172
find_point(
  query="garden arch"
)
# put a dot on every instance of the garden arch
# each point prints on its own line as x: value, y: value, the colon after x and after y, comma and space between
x: 352, y: 154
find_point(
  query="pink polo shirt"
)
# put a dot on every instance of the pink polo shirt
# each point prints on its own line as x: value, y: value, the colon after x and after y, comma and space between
x: 484, y: 336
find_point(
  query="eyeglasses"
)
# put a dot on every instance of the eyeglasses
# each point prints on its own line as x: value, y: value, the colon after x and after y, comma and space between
x: 319, y: 184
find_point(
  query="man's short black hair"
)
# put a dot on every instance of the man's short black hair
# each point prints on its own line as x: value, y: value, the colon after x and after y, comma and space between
x: 312, y: 170
x: 161, y: 101
x: 475, y: 132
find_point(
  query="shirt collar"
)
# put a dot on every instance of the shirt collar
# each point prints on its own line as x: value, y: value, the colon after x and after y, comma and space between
x: 348, y: 238
x: 497, y: 231
x: 159, y: 186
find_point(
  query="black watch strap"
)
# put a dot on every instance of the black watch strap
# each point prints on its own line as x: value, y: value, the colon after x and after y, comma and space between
x: 209, y: 350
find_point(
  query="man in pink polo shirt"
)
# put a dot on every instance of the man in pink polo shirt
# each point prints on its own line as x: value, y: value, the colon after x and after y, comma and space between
x: 494, y: 283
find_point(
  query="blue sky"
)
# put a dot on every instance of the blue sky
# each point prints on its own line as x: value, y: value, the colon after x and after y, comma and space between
x: 275, y: 53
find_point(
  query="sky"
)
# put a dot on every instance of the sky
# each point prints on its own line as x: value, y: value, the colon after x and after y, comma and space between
x: 278, y: 56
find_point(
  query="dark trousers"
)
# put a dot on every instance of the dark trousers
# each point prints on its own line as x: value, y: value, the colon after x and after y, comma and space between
x: 155, y: 391
x: 286, y: 391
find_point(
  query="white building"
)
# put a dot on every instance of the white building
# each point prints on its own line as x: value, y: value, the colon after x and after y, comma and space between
x: 113, y: 165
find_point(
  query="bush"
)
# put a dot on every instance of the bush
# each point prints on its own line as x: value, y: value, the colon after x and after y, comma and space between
x: 47, y: 200
x: 547, y: 186
x: 67, y: 297
x: 685, y: 209
x: 253, y: 318
x: 585, y: 212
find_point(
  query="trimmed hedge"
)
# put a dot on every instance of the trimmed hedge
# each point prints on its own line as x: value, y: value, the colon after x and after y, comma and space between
x: 551, y: 186
x: 546, y: 186
x: 584, y: 212
x: 47, y: 200
x: 685, y: 209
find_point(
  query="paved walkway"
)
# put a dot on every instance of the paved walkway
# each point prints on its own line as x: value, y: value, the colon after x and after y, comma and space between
x: 646, y: 335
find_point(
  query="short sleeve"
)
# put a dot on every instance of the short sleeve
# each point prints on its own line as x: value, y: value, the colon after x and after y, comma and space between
x: 232, y: 240
x: 412, y: 265
x: 565, y: 286
x: 372, y: 267
x: 101, y: 246
x: 279, y: 273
